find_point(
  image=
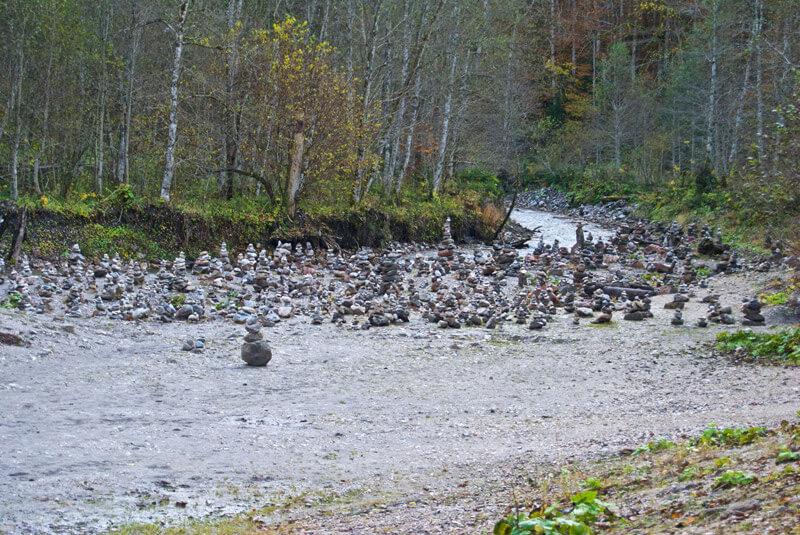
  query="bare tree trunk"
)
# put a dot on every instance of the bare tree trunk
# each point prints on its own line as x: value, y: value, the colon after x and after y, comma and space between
x: 788, y: 26
x: 126, y: 89
x: 10, y: 106
x: 552, y: 49
x: 101, y: 112
x: 389, y: 170
x: 448, y: 105
x: 323, y: 30
x: 169, y: 167
x: 370, y: 46
x: 737, y: 121
x: 293, y: 180
x: 507, y: 100
x: 759, y: 87
x: 229, y: 129
x: 386, y: 146
x: 45, y: 124
x: 712, y: 94
x: 18, y: 124
x: 410, y: 133
x: 19, y: 237
x: 595, y: 51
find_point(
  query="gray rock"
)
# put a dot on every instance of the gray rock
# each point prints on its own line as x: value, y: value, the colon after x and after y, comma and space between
x: 379, y: 319
x: 184, y: 312
x: 256, y: 353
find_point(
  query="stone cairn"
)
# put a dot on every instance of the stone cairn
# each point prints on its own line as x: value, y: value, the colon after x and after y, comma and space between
x: 389, y: 271
x: 447, y: 246
x: 637, y: 309
x: 255, y: 350
x: 202, y: 266
x: 752, y: 313
x: 717, y: 313
x: 180, y: 282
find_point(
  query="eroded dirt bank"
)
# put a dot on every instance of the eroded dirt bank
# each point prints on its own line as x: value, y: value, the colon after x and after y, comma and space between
x: 106, y: 423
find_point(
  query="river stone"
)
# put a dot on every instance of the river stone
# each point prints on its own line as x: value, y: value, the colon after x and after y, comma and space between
x: 378, y: 319
x: 184, y: 312
x: 256, y: 353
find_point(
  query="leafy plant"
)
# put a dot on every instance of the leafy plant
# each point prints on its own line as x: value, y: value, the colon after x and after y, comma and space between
x: 783, y: 346
x: 654, y: 446
x: 714, y: 437
x: 690, y: 472
x: 722, y: 461
x: 592, y: 483
x: 224, y: 304
x: 177, y: 300
x: 777, y: 298
x: 787, y: 456
x: 733, y: 479
x: 14, y: 300
x: 586, y: 508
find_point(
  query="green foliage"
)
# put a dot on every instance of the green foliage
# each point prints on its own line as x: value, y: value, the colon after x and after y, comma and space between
x: 224, y: 304
x: 578, y: 520
x: 690, y: 472
x: 593, y: 484
x: 655, y: 446
x: 480, y: 181
x: 782, y: 346
x: 787, y: 456
x: 777, y: 298
x: 120, y: 199
x: 733, y: 479
x: 177, y: 300
x: 714, y: 437
x: 14, y: 300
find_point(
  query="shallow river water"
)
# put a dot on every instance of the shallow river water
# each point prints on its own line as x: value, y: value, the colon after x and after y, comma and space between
x: 553, y: 226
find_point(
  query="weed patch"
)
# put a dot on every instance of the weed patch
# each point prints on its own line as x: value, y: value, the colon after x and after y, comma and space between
x: 780, y: 347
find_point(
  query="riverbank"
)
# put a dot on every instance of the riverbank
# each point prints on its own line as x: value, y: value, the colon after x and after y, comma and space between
x: 111, y: 424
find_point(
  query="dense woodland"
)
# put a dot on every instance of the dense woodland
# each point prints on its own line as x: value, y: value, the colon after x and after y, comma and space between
x: 314, y: 102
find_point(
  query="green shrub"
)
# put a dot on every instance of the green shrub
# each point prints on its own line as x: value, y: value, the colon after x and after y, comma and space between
x: 654, y: 446
x: 586, y: 508
x: 480, y: 181
x: 782, y: 346
x: 733, y: 479
x: 714, y: 437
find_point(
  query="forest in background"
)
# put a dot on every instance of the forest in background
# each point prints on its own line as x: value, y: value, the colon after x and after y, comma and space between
x: 329, y: 105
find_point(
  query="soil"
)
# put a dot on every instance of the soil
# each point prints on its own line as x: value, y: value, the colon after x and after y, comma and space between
x: 106, y: 424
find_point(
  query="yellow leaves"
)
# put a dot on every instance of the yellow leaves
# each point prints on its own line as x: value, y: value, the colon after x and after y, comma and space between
x: 43, y: 200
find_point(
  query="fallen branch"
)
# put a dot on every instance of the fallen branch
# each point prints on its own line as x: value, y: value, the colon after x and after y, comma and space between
x: 505, y: 219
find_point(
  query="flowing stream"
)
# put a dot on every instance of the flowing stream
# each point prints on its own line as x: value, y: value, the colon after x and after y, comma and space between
x: 554, y: 227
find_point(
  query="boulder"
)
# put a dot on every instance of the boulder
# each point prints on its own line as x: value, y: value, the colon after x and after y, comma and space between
x: 256, y: 353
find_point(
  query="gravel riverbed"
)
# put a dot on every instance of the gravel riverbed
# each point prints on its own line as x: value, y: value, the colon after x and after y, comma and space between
x: 107, y: 423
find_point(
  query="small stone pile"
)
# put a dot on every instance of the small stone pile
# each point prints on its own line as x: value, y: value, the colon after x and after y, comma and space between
x: 389, y: 271
x: 180, y: 282
x: 637, y: 309
x: 717, y: 313
x: 103, y: 268
x: 752, y: 313
x: 447, y: 246
x: 255, y: 350
x: 202, y: 266
x: 679, y: 300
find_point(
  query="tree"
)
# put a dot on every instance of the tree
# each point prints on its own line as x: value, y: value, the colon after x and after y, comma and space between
x: 169, y: 164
